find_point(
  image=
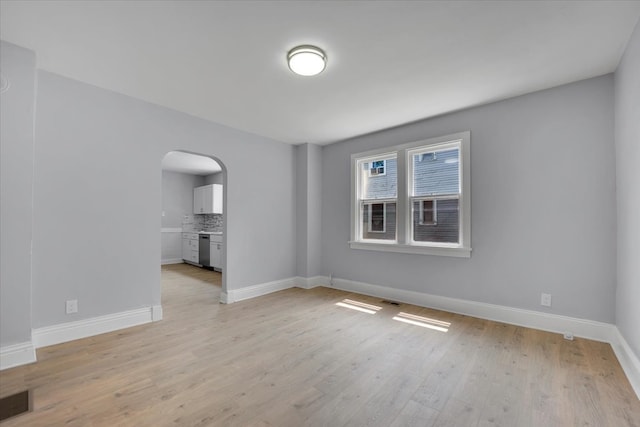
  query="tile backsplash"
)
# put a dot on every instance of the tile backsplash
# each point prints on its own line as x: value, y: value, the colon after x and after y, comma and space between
x: 202, y: 222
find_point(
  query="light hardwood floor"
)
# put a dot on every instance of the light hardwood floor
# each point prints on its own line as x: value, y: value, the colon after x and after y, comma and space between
x: 296, y: 358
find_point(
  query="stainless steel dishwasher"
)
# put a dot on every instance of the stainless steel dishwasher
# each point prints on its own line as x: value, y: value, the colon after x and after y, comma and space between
x: 204, y: 250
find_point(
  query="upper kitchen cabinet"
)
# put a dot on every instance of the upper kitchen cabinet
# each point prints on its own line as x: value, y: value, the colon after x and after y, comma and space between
x: 207, y: 199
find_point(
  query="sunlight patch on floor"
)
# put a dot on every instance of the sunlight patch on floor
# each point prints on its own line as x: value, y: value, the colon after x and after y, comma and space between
x: 421, y: 321
x: 359, y: 306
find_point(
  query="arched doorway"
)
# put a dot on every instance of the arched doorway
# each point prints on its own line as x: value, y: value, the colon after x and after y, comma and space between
x: 193, y: 220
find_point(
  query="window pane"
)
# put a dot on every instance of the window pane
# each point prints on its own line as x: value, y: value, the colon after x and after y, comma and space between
x: 377, y: 217
x: 379, y: 221
x: 379, y: 179
x: 428, y: 212
x: 447, y: 227
x: 436, y: 172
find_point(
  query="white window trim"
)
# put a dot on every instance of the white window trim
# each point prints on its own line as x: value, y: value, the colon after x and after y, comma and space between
x: 404, y: 243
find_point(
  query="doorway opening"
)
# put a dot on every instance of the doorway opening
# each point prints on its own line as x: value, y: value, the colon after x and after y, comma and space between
x: 193, y: 226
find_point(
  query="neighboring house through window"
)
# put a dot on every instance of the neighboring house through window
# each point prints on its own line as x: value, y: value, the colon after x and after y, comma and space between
x: 377, y: 217
x: 428, y: 212
x: 377, y: 168
x: 413, y: 197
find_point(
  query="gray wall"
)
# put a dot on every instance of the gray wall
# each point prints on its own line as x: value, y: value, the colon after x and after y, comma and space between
x: 16, y: 178
x: 97, y: 240
x: 308, y: 211
x: 627, y: 128
x: 314, y: 210
x: 543, y: 205
x: 177, y: 196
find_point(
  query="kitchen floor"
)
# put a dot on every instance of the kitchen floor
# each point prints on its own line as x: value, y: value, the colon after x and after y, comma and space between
x: 184, y: 284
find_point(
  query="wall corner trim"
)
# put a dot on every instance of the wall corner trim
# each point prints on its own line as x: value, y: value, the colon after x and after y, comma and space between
x: 254, y: 291
x: 628, y: 360
x: 311, y: 282
x: 156, y: 313
x: 17, y: 355
x: 63, y: 332
x: 235, y: 295
x: 171, y: 261
x: 224, y: 298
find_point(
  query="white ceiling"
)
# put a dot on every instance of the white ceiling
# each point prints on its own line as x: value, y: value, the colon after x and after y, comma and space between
x: 389, y: 62
x: 177, y: 161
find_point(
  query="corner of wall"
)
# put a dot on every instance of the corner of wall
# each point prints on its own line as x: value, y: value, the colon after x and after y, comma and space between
x: 17, y: 355
x: 628, y: 360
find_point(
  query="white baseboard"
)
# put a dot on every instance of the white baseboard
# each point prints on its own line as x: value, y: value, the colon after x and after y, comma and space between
x: 261, y: 289
x: 311, y: 282
x: 16, y: 355
x: 171, y: 261
x: 532, y: 319
x: 236, y: 295
x: 628, y: 360
x: 70, y: 331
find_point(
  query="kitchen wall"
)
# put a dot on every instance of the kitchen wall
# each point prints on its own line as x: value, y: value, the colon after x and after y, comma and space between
x: 627, y: 149
x: 17, y: 65
x: 177, y: 201
x: 177, y: 196
x: 543, y: 205
x: 89, y: 240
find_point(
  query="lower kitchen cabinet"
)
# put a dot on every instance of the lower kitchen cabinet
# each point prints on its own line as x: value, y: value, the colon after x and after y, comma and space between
x: 190, y: 247
x: 216, y: 252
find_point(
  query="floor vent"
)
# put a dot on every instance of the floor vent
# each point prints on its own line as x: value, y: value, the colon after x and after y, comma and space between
x: 16, y: 404
x: 384, y: 301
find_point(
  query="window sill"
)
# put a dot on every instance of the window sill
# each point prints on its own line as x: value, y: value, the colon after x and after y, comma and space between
x: 413, y: 249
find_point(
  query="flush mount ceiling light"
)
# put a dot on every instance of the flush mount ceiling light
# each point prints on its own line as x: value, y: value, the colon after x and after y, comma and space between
x: 306, y: 60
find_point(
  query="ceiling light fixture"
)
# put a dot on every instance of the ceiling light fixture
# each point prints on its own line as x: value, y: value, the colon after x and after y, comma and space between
x: 306, y: 60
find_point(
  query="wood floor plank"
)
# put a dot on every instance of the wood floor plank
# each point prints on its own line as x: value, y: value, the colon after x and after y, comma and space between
x: 304, y: 358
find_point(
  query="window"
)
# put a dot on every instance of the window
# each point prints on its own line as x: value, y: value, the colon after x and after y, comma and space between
x: 377, y: 197
x: 377, y: 168
x: 413, y: 198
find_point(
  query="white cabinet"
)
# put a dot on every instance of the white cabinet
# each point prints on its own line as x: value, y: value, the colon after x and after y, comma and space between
x: 200, y: 200
x: 215, y: 252
x: 207, y: 199
x: 190, y: 245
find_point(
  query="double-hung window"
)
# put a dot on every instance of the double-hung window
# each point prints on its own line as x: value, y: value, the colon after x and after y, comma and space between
x: 413, y: 197
x: 377, y: 190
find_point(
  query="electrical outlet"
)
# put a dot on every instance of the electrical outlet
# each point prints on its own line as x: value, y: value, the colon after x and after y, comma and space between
x: 545, y: 300
x: 72, y: 306
x: 568, y: 336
